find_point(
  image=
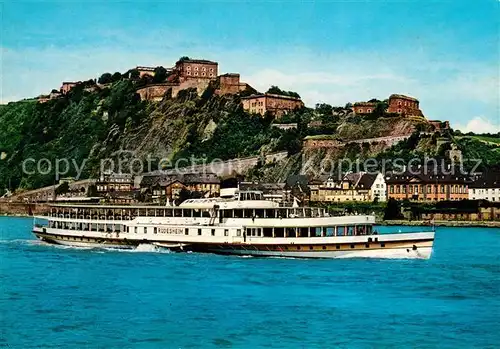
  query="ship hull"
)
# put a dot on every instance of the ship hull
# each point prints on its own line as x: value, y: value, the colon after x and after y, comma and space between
x: 394, y: 249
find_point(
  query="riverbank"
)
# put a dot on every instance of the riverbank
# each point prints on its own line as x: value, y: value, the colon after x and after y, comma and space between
x: 486, y: 224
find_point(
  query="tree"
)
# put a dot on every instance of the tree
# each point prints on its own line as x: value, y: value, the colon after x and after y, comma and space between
x: 183, y: 59
x: 380, y: 109
x: 277, y: 91
x: 116, y: 77
x: 105, y: 78
x: 133, y: 74
x: 324, y: 109
x: 392, y: 210
x: 160, y: 74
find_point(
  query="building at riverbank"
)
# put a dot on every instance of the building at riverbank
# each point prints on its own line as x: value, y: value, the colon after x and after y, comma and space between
x: 422, y: 185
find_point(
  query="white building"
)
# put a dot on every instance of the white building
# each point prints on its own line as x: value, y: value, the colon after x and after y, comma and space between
x: 485, y: 187
x: 376, y: 183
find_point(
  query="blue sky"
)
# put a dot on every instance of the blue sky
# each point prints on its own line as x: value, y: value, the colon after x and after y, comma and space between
x: 446, y: 53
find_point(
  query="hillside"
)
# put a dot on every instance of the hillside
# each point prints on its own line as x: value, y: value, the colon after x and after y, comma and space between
x: 114, y: 122
x: 86, y: 127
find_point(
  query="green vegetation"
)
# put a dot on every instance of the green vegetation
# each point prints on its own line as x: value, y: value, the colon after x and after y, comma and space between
x: 90, y: 126
x: 486, y: 139
x: 277, y: 91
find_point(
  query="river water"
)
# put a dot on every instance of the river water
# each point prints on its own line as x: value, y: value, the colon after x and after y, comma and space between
x: 60, y: 297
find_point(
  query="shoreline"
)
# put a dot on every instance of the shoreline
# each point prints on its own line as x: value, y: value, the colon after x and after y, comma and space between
x: 464, y: 224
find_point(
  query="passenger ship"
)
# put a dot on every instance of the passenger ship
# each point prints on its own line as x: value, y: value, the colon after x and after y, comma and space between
x: 244, y: 224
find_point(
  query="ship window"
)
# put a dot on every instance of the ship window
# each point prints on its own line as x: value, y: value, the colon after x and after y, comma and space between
x: 177, y: 213
x: 298, y: 247
x: 303, y: 232
x: 290, y: 232
x: 352, y: 246
x: 350, y: 230
x: 369, y: 230
x: 238, y: 213
x: 199, y: 231
x: 382, y: 244
x: 155, y: 230
x: 270, y: 213
x: 196, y: 213
x: 238, y: 232
x: 330, y: 231
x: 186, y: 231
x: 268, y: 232
x: 213, y: 232
x: 259, y: 213
x: 135, y: 230
x: 248, y: 213
x: 315, y: 232
x: 367, y: 245
x: 226, y: 232
x: 337, y: 247
x: 310, y: 247
x: 205, y: 213
x: 279, y: 232
x: 324, y: 247
x: 341, y: 231
x: 145, y: 230
x: 360, y: 230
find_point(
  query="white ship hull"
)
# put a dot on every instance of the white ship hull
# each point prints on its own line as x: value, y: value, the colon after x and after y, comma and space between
x: 238, y: 227
x: 396, y: 246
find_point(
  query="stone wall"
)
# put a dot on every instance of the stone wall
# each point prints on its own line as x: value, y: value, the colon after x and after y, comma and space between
x: 322, y: 143
x: 22, y: 209
x: 154, y: 92
x: 200, y: 85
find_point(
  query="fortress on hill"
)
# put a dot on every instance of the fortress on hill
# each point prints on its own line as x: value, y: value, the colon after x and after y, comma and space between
x: 199, y: 74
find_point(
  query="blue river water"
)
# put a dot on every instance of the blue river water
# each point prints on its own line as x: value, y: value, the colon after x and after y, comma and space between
x: 56, y: 297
